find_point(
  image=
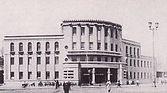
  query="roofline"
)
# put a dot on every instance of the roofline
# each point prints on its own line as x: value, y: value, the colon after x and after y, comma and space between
x: 13, y: 36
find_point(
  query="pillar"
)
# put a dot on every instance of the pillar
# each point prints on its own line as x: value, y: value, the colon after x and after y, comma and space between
x: 120, y: 73
x: 93, y: 75
x: 108, y: 74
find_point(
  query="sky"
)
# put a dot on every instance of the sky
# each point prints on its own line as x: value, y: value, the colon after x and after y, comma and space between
x: 29, y: 17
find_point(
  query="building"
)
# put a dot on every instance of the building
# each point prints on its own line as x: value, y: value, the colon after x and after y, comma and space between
x: 87, y: 52
x: 1, y: 70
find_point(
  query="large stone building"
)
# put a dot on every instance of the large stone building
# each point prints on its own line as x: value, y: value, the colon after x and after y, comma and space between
x: 87, y: 51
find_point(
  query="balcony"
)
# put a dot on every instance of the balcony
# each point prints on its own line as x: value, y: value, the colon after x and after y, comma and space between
x: 38, y: 52
x: 30, y: 52
x: 12, y: 52
x: 21, y: 52
x: 57, y: 52
x: 94, y: 52
x: 47, y: 52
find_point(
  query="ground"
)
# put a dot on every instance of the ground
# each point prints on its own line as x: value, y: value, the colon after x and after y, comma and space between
x: 91, y: 89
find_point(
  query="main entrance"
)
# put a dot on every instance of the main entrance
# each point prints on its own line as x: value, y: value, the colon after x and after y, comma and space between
x: 99, y: 75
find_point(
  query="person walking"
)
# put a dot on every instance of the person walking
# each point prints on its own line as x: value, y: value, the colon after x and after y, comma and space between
x: 108, y: 85
x: 66, y: 87
x: 119, y: 84
x: 137, y: 82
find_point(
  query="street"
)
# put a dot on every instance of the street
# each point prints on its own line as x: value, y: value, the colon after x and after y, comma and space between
x: 93, y: 89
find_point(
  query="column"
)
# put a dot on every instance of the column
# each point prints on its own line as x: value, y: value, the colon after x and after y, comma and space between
x: 120, y: 73
x: 108, y: 74
x: 93, y: 75
x: 87, y: 37
x: 102, y: 37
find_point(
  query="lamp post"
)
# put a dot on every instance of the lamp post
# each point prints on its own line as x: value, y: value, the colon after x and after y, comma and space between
x: 153, y: 27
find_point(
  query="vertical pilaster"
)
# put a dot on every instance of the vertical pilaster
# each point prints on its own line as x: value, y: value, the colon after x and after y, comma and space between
x: 102, y: 37
x: 87, y: 37
x: 93, y: 75
x: 108, y: 74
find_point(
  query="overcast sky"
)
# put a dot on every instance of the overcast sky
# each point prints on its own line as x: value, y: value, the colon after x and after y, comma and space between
x: 22, y: 17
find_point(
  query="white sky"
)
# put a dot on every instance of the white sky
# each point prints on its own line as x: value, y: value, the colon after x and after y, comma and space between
x: 20, y: 17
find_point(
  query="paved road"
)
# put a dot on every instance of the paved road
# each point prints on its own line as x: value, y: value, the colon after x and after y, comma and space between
x: 92, y: 89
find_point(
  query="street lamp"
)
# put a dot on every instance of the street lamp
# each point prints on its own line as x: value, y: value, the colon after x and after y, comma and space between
x: 153, y: 27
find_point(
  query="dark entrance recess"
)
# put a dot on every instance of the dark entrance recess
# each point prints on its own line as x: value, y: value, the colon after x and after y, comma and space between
x: 86, y: 75
x: 113, y: 75
x: 100, y: 75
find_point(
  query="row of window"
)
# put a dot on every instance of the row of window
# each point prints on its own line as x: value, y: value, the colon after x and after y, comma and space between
x: 139, y: 63
x: 91, y: 30
x: 139, y: 75
x: 68, y: 74
x: 38, y: 46
x: 94, y: 58
x: 74, y: 46
x: 131, y: 51
x: 21, y: 61
x: 47, y: 76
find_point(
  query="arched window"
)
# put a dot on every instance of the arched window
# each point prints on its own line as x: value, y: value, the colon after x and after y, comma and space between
x: 56, y: 46
x: 29, y: 46
x: 47, y: 46
x: 11, y: 46
x: 20, y: 46
x: 38, y: 46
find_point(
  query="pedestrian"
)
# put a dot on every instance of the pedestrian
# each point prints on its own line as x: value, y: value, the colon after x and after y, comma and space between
x: 57, y: 84
x: 66, y: 87
x: 137, y: 82
x: 108, y: 85
x: 119, y: 84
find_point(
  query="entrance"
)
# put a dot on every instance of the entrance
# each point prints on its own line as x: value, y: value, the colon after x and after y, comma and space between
x: 86, y: 75
x: 113, y: 75
x: 100, y: 75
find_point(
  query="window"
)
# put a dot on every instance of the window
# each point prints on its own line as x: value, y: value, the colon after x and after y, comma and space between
x: 111, y: 33
x: 138, y: 52
x: 56, y: 60
x: 117, y: 59
x: 106, y: 32
x: 11, y: 75
x: 116, y: 34
x: 98, y: 58
x: 134, y: 75
x: 38, y: 60
x: 91, y: 58
x: 144, y: 63
x: 116, y: 48
x: 137, y: 63
x: 148, y: 64
x: 90, y: 45
x: 74, y: 58
x: 38, y: 74
x: 20, y: 60
x: 106, y: 59
x: 11, y: 46
x: 47, y: 60
x: 38, y: 46
x: 138, y: 75
x: 112, y: 48
x: 126, y: 60
x: 144, y: 75
x: 130, y: 51
x: 47, y: 46
x: 134, y: 63
x: 90, y: 30
x: 112, y: 59
x: 82, y: 31
x: 56, y: 74
x: 130, y: 75
x: 98, y: 46
x: 134, y: 51
x: 105, y: 46
x: 12, y: 60
x: 74, y: 31
x: 20, y: 75
x: 29, y: 46
x: 74, y: 45
x: 141, y: 75
x: 99, y: 35
x: 20, y: 46
x: 141, y: 63
x: 126, y: 49
x: 82, y: 45
x: 130, y: 62
x: 56, y: 46
x: 69, y: 74
x: 29, y: 60
x: 29, y: 75
x: 47, y: 74
x: 82, y: 58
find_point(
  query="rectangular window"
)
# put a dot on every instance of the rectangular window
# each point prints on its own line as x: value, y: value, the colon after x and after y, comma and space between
x: 56, y: 60
x: 20, y: 60
x: 12, y: 60
x: 47, y: 74
x: 90, y: 45
x: 116, y: 34
x: 98, y: 46
x: 105, y: 46
x: 138, y: 52
x: 126, y: 49
x: 38, y: 74
x: 141, y: 63
x: 91, y: 58
x: 112, y: 48
x: 90, y: 30
x: 148, y: 64
x: 20, y: 75
x: 134, y: 75
x: 74, y: 45
x: 138, y: 75
x: 98, y: 58
x: 144, y: 63
x: 29, y: 60
x: 47, y: 60
x: 130, y: 75
x: 82, y: 45
x: 112, y: 59
x: 106, y: 59
x: 116, y: 48
x: 82, y: 58
x: 74, y: 58
x: 38, y: 60
x: 117, y: 59
x: 134, y: 51
x: 29, y: 75
x: 106, y: 32
x: 82, y: 31
x: 74, y: 31
x: 111, y: 33
x: 137, y: 63
x: 56, y: 74
x: 130, y: 62
x: 141, y: 75
x: 130, y: 51
x: 134, y: 63
x: 99, y: 35
x: 11, y: 75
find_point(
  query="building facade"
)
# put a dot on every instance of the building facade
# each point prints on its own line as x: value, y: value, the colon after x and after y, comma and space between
x: 87, y: 52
